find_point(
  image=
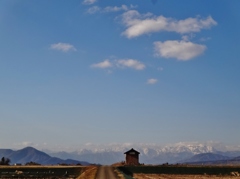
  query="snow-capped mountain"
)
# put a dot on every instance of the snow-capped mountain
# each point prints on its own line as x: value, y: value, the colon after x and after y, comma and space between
x: 149, y: 153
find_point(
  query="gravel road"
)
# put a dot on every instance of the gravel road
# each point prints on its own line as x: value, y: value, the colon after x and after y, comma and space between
x: 105, y: 172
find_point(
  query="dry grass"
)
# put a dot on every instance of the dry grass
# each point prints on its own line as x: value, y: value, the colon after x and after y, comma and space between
x: 89, y: 173
x: 40, y: 171
x: 163, y: 176
x: 119, y: 174
x: 38, y: 166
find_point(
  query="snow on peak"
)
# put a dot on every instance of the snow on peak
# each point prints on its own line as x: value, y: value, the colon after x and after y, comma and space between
x: 150, y: 149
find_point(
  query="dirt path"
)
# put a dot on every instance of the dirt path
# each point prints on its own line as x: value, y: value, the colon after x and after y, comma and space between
x: 105, y: 172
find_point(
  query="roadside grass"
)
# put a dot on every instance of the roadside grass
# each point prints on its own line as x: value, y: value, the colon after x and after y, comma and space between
x: 89, y: 173
x: 120, y: 175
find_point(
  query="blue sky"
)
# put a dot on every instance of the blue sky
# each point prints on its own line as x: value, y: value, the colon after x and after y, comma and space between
x: 108, y: 71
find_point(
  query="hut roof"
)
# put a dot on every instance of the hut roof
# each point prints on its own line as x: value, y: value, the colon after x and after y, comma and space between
x: 132, y: 150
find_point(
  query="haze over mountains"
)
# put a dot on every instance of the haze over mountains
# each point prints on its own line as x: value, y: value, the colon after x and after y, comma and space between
x: 149, y: 154
x: 30, y: 154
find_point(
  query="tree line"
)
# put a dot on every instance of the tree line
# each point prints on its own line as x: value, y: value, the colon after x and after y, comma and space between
x: 5, y: 161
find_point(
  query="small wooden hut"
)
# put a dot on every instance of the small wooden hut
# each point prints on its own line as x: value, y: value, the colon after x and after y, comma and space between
x: 132, y: 157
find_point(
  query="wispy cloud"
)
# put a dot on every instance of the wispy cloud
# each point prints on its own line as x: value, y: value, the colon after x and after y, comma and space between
x: 96, y: 9
x: 152, y: 81
x: 139, y: 24
x: 64, y: 47
x: 205, y: 39
x: 28, y: 143
x: 89, y: 2
x: 93, y: 10
x: 115, y: 8
x: 103, y: 64
x: 181, y: 50
x: 130, y: 63
x: 121, y: 63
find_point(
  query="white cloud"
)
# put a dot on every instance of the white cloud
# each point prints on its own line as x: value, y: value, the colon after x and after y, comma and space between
x: 26, y: 144
x: 180, y: 50
x: 138, y: 24
x: 64, y: 47
x: 104, y: 64
x: 115, y: 8
x: 93, y: 10
x: 121, y: 63
x: 152, y: 81
x: 89, y: 2
x: 130, y: 63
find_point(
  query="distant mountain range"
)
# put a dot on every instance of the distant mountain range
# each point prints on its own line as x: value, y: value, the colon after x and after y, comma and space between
x: 30, y: 154
x: 212, y: 159
x: 205, y: 157
x: 179, y: 153
x: 149, y: 154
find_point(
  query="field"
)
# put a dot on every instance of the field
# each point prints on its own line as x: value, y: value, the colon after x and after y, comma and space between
x: 129, y: 172
x: 169, y: 176
x: 41, y: 171
x: 180, y: 172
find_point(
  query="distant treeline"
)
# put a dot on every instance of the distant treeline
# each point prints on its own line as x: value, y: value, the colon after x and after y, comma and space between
x: 5, y: 161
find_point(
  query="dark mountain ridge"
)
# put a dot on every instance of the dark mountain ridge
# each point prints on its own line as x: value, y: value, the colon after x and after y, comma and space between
x: 4, y: 152
x: 30, y: 154
x: 205, y: 157
x: 211, y: 159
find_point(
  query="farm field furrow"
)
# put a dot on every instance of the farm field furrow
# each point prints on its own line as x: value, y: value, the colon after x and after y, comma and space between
x: 40, y: 171
x: 163, y: 176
